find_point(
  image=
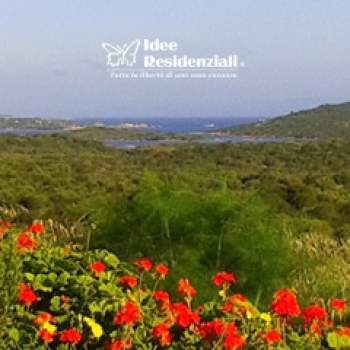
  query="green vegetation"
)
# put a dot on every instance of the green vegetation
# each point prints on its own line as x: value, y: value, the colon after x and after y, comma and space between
x: 326, y: 121
x: 215, y: 206
x: 200, y: 233
x: 12, y: 122
x: 63, y: 177
x: 109, y: 133
x: 69, y: 297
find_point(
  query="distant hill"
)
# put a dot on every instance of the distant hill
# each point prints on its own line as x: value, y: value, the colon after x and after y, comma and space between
x: 12, y: 122
x: 325, y: 121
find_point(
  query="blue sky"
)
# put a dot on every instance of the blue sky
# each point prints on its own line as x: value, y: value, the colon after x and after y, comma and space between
x: 297, y: 55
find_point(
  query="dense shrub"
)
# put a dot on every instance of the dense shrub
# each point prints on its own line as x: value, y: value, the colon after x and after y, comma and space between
x: 198, y: 233
x: 63, y: 177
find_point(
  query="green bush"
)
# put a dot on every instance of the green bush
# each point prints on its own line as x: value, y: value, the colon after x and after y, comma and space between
x: 199, y: 232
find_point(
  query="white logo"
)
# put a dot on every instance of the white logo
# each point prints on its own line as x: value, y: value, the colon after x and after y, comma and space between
x: 161, y: 59
x: 122, y: 55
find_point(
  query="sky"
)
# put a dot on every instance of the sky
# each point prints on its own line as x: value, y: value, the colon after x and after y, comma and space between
x: 296, y: 54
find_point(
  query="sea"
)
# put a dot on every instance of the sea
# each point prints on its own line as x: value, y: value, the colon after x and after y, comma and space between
x: 187, y: 125
x: 205, y: 127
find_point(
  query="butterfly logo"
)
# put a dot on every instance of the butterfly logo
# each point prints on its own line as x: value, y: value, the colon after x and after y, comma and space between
x: 122, y: 55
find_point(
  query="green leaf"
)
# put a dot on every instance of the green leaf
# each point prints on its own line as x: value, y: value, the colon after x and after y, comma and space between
x: 29, y: 277
x: 336, y: 341
x: 55, y: 304
x: 14, y: 335
x: 66, y: 265
x: 52, y: 277
x: 63, y: 278
x: 112, y: 260
x: 95, y: 308
x: 110, y: 289
x: 85, y: 280
x: 41, y: 282
x: 62, y: 319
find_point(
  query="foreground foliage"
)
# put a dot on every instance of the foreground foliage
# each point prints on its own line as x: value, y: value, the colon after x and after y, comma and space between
x: 61, y: 297
x: 198, y: 234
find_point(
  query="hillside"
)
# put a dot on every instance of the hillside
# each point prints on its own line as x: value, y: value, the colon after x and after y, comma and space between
x: 325, y: 121
x: 12, y: 122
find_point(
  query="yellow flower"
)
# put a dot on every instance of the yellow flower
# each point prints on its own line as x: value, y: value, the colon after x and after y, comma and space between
x: 222, y: 293
x: 96, y: 329
x: 248, y: 314
x: 49, y: 327
x: 265, y: 317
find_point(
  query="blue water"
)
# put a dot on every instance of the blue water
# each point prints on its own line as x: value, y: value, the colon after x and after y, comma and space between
x: 174, y: 125
x: 167, y: 125
x: 206, y: 139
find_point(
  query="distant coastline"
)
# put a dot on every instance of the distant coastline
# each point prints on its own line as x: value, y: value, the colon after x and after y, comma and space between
x: 187, y: 125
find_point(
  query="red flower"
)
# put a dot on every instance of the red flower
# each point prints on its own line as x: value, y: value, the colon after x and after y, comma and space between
x: 236, y: 304
x: 97, y: 268
x: 144, y: 264
x: 316, y: 329
x: 227, y: 308
x: 25, y: 242
x: 42, y: 318
x: 285, y: 304
x: 185, y: 288
x: 36, y: 228
x: 128, y: 281
x: 238, y: 299
x: 120, y: 344
x: 344, y: 332
x: 162, y: 334
x: 26, y: 295
x: 338, y: 305
x: 162, y: 297
x: 184, y: 317
x: 71, y: 336
x: 272, y: 337
x: 5, y: 225
x: 314, y: 313
x: 116, y: 345
x: 162, y: 270
x: 211, y: 330
x: 232, y: 339
x: 224, y: 279
x: 46, y: 336
x: 128, y: 315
